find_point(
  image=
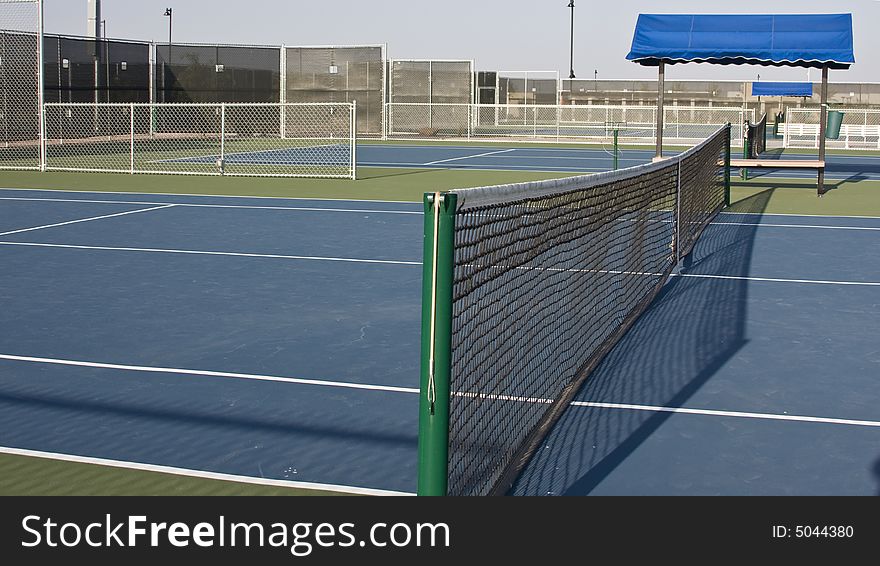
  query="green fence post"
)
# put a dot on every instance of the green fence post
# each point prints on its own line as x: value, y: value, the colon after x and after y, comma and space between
x: 765, y: 132
x: 727, y: 168
x: 616, y: 148
x: 434, y: 390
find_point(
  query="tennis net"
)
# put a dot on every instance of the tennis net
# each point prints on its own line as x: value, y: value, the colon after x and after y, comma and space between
x: 756, y: 135
x: 527, y: 287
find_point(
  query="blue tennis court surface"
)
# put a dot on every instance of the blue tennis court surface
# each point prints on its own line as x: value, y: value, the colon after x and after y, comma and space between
x: 295, y: 155
x: 588, y: 159
x: 279, y: 339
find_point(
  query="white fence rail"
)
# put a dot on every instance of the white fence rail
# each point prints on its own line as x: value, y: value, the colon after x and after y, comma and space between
x: 271, y: 140
x: 860, y: 129
x: 635, y: 124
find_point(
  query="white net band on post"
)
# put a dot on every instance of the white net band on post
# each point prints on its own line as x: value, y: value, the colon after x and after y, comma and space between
x: 312, y: 140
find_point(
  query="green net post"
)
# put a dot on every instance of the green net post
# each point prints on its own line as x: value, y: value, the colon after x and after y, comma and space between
x: 743, y: 172
x: 436, y: 343
x: 727, y: 168
x: 765, y: 132
x: 616, y: 149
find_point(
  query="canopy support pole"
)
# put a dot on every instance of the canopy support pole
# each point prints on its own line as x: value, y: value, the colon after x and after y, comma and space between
x: 823, y: 117
x: 658, y: 154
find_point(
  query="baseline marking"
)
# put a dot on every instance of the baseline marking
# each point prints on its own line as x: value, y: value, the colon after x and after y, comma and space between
x: 194, y: 205
x: 200, y: 196
x: 714, y: 413
x: 779, y: 280
x: 213, y: 253
x: 469, y: 156
x: 418, y: 263
x: 411, y: 390
x: 196, y: 473
x: 419, y: 212
x: 815, y: 226
x: 85, y: 220
x: 209, y: 373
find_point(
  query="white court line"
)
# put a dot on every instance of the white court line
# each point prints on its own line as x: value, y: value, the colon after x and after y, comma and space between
x: 469, y: 156
x: 241, y: 206
x: 816, y: 226
x: 197, y: 473
x: 85, y: 220
x: 415, y: 391
x: 779, y: 280
x: 714, y: 413
x: 419, y: 263
x: 242, y: 197
x: 419, y: 212
x: 203, y: 196
x: 832, y: 216
x: 208, y: 373
x: 213, y: 253
x: 478, y: 167
x: 200, y: 159
x: 604, y: 157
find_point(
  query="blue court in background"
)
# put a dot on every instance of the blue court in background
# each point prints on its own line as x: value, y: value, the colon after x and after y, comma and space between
x: 586, y: 159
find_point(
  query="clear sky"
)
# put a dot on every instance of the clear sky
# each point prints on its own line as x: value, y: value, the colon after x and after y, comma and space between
x: 514, y: 35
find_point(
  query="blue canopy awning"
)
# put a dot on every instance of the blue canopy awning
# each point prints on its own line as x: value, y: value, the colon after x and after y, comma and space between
x: 782, y: 89
x: 787, y: 40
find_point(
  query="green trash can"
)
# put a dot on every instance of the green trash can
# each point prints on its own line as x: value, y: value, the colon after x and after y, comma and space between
x: 832, y: 127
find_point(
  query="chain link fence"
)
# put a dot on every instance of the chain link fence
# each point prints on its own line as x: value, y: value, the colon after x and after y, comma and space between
x: 431, y: 81
x: 527, y: 87
x: 338, y: 74
x: 81, y: 69
x: 20, y: 85
x: 217, y: 73
x: 634, y: 124
x: 860, y: 129
x: 278, y: 140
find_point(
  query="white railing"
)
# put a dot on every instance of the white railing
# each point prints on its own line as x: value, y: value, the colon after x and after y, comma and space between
x: 579, y: 123
x: 860, y: 129
x: 270, y: 140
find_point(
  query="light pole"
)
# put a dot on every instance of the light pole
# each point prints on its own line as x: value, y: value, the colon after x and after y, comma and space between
x: 168, y: 12
x: 571, y: 66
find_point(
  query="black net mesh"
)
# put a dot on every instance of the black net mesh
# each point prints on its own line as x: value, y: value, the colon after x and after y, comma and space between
x: 548, y: 276
x: 702, y: 190
x: 757, y: 134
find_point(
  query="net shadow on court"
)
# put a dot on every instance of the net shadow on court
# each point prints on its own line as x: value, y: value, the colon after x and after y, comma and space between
x: 690, y: 331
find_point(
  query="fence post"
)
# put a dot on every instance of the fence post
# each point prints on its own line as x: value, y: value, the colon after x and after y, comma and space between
x: 557, y: 110
x: 131, y: 128
x: 222, y: 136
x: 282, y: 95
x: 41, y: 85
x: 352, y: 135
x: 727, y: 166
